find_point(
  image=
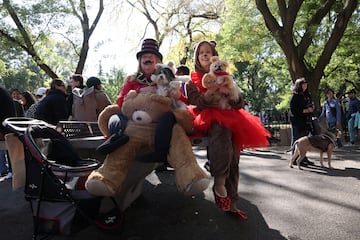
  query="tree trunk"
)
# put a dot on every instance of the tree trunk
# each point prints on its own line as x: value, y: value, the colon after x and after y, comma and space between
x: 295, y: 53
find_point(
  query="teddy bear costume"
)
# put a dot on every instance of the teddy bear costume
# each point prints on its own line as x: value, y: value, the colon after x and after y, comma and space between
x: 107, y: 180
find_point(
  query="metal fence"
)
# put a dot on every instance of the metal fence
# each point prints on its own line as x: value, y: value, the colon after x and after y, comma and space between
x: 279, y: 126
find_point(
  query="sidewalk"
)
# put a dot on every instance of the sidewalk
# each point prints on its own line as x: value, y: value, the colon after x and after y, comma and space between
x: 281, y: 203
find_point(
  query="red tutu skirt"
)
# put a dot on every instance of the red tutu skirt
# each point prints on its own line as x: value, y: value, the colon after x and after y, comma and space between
x: 247, y: 129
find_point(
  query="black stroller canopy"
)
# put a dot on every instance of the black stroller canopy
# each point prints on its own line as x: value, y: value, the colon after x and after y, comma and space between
x: 60, y: 149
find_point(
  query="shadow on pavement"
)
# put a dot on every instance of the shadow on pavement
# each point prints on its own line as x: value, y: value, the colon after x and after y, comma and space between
x: 160, y: 213
x: 346, y: 172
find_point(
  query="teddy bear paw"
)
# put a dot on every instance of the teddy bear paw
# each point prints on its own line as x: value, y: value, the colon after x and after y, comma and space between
x: 197, y: 187
x: 98, y: 188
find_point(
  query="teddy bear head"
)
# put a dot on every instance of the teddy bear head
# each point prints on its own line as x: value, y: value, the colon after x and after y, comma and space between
x: 145, y: 107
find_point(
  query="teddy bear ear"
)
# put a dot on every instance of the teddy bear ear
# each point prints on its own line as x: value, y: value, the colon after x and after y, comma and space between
x: 171, y: 65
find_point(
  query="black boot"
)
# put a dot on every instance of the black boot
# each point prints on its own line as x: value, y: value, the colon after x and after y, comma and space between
x: 306, y: 162
x: 117, y: 126
x: 163, y: 135
x: 338, y: 143
x: 113, y: 142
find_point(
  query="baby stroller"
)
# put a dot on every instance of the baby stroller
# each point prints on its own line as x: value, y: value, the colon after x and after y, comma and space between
x: 54, y: 184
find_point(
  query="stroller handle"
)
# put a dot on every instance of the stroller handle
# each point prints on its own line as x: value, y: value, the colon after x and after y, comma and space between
x: 20, y: 124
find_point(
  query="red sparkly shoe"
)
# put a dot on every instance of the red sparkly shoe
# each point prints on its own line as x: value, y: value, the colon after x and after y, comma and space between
x: 222, y: 202
x: 239, y: 214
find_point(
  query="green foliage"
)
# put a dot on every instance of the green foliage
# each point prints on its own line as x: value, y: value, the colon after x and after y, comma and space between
x: 244, y: 38
x: 342, y: 73
x: 257, y: 62
x: 260, y: 67
x: 113, y: 82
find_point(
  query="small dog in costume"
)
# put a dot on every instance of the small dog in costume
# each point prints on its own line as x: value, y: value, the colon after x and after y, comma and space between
x: 220, y: 84
x: 168, y: 84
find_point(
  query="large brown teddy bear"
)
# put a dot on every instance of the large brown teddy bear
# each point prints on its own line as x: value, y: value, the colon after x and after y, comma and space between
x: 143, y: 111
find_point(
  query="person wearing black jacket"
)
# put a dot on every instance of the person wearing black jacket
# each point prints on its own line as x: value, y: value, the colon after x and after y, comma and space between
x: 302, y: 108
x: 7, y: 110
x: 53, y: 107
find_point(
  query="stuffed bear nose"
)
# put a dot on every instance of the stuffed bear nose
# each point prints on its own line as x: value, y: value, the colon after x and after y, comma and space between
x: 138, y: 118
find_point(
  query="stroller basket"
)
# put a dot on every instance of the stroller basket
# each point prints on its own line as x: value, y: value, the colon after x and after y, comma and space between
x: 55, y: 179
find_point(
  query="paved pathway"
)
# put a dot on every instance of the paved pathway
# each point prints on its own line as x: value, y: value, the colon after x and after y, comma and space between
x: 281, y: 203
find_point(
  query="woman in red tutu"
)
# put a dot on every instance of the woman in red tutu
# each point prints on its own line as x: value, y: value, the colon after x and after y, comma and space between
x: 229, y: 131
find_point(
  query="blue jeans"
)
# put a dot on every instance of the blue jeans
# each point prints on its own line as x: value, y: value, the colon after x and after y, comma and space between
x: 352, y: 130
x: 114, y: 124
x: 3, y: 162
x: 297, y: 132
x: 331, y: 124
x: 117, y: 124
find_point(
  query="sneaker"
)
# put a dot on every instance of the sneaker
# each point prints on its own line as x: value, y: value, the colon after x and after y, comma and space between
x: 9, y: 175
x: 5, y: 176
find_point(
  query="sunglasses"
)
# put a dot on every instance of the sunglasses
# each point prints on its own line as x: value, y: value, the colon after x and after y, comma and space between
x: 60, y: 85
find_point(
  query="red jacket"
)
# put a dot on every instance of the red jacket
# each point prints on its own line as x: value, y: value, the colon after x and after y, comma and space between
x: 131, y: 84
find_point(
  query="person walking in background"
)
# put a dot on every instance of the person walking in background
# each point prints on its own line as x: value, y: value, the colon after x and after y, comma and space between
x: 102, y: 99
x: 7, y: 110
x: 331, y: 110
x: 225, y: 140
x: 350, y: 115
x: 53, y: 107
x: 301, y: 110
x: 27, y: 99
x: 357, y: 121
x: 76, y: 81
x: 182, y: 70
x: 16, y: 96
x: 40, y: 95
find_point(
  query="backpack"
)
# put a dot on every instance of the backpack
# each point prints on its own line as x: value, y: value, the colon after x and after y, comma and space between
x: 84, y: 106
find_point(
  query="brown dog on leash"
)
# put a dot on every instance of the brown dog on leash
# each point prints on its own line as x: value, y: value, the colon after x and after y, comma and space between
x: 319, y: 143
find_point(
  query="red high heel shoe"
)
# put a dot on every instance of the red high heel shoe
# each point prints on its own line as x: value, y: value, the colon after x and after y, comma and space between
x: 222, y: 202
x: 239, y: 214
